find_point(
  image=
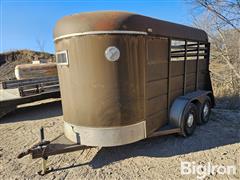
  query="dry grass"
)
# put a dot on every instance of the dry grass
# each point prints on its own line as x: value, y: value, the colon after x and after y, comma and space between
x: 226, y: 94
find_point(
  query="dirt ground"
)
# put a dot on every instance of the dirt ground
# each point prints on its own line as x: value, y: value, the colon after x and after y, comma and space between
x: 217, y: 142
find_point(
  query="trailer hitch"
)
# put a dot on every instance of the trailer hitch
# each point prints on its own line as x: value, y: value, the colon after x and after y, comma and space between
x: 40, y: 147
x: 44, y: 149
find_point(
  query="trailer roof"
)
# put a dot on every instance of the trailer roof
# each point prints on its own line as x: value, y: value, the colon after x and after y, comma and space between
x: 125, y: 21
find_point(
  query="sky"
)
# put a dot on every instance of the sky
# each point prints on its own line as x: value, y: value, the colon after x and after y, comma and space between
x: 24, y: 23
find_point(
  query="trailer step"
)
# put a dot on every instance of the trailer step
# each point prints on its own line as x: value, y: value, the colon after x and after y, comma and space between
x: 165, y: 130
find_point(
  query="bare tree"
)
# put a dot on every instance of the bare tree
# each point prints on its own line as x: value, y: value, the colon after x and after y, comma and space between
x: 227, y: 12
x: 221, y: 20
x: 40, y: 44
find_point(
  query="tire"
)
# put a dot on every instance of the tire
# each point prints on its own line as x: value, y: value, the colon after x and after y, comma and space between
x: 205, y: 111
x: 189, y: 120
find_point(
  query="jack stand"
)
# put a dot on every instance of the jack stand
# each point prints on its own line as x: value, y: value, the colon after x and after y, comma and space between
x: 44, y: 170
x: 44, y: 165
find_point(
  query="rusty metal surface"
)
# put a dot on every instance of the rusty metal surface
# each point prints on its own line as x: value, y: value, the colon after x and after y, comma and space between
x: 111, y: 20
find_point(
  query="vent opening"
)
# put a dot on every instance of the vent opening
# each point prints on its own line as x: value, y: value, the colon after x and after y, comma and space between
x: 62, y: 58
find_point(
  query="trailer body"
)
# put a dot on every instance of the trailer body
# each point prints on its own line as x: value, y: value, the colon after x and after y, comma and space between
x: 120, y: 73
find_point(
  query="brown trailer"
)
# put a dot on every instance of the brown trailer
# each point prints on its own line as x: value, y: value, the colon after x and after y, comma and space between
x: 125, y: 76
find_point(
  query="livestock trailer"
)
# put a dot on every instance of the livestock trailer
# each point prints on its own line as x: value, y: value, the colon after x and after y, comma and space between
x: 125, y: 77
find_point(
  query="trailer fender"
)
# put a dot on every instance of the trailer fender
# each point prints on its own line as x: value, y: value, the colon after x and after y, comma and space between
x: 177, y: 110
x: 180, y: 103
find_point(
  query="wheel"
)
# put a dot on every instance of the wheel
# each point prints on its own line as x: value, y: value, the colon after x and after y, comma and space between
x: 205, y: 110
x: 189, y: 121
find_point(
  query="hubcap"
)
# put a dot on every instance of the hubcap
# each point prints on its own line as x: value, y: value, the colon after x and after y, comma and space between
x: 205, y: 110
x: 190, y: 120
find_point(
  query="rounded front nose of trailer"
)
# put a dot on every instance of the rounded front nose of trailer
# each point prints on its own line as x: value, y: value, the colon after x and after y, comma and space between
x: 102, y: 88
x: 105, y: 136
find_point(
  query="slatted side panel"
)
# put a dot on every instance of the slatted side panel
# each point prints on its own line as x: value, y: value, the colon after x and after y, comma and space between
x: 177, y: 77
x: 166, y: 81
x: 189, y: 65
x: 156, y: 83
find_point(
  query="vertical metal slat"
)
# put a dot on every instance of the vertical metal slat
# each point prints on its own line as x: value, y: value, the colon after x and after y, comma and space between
x: 209, y: 85
x: 169, y: 75
x: 185, y: 68
x: 197, y: 67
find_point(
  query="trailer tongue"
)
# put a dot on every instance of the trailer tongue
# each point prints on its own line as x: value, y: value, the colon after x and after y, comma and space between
x: 60, y: 145
x: 44, y: 149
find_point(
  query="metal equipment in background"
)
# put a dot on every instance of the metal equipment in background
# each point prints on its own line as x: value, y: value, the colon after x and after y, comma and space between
x: 17, y: 92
